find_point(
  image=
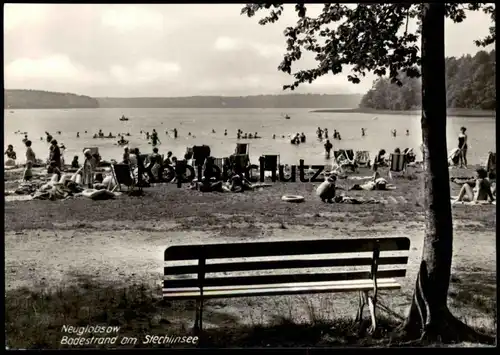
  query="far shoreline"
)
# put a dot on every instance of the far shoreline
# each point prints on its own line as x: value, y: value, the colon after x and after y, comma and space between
x: 450, y: 112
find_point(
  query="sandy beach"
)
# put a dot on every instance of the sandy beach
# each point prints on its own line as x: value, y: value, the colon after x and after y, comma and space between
x: 53, y: 245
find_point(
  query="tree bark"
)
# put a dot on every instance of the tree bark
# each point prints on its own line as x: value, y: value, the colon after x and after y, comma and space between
x: 429, y: 317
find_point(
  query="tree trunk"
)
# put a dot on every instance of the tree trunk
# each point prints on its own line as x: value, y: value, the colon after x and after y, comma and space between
x: 429, y: 317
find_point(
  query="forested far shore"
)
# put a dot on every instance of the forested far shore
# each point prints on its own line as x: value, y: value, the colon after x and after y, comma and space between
x: 36, y: 99
x: 33, y: 99
x: 457, y: 112
x: 470, y: 84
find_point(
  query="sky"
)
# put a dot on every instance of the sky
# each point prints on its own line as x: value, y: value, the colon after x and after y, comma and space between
x: 161, y: 50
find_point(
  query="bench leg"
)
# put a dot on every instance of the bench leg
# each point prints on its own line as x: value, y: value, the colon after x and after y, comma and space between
x: 361, y: 306
x: 372, y: 306
x: 198, y: 322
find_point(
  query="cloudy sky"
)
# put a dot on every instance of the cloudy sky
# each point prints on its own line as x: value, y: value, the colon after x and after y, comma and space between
x: 164, y: 50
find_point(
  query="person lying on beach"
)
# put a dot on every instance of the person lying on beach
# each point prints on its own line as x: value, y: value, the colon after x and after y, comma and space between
x: 480, y: 192
x: 375, y: 183
x: 326, y: 190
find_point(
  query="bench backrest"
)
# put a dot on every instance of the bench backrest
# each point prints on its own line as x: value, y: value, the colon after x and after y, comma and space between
x: 202, y: 265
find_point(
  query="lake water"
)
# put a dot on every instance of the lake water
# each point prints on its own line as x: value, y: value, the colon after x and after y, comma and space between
x: 200, y: 122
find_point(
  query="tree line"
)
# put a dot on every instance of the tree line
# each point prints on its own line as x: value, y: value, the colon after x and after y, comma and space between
x: 37, y: 99
x: 470, y: 84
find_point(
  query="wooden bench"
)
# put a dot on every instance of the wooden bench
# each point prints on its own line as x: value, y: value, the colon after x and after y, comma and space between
x: 304, y: 266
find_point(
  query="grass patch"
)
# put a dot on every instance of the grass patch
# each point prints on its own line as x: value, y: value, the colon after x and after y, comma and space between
x: 34, y: 320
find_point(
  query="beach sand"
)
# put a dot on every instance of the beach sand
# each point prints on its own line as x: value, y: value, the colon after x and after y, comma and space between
x: 54, y: 244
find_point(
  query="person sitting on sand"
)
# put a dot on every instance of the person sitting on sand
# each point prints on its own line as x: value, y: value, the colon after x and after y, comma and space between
x: 380, y: 158
x: 239, y: 183
x: 326, y: 190
x: 10, y: 152
x: 89, y: 166
x: 53, y: 168
x: 75, y: 164
x: 168, y: 159
x: 480, y: 192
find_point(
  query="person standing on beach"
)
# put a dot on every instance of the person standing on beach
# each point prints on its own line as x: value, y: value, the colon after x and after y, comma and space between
x: 328, y: 148
x: 30, y: 160
x: 362, y: 132
x: 88, y: 169
x: 462, y: 145
x: 326, y: 133
x: 55, y: 153
x: 175, y: 132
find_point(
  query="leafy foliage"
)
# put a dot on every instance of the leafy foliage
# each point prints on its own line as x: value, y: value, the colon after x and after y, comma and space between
x: 470, y: 83
x: 367, y: 36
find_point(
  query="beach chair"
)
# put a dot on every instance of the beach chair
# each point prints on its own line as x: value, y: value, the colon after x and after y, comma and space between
x: 397, y: 164
x: 363, y: 158
x: 344, y: 159
x: 242, y: 148
x: 271, y: 162
x: 123, y: 176
x: 491, y: 164
x: 239, y: 162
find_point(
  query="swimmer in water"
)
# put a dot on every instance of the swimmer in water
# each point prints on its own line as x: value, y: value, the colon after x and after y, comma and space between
x: 225, y: 132
x: 407, y: 132
x: 274, y: 136
x: 213, y: 130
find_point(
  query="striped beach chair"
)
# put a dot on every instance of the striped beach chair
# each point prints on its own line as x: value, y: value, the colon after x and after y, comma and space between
x: 397, y: 164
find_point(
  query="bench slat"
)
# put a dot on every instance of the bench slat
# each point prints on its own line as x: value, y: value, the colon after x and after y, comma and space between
x: 299, y: 247
x: 282, y: 264
x: 247, y: 287
x: 277, y: 279
x: 281, y: 289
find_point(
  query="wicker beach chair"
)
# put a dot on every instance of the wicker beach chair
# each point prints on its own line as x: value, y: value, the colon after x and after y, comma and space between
x: 397, y: 164
x: 363, y: 158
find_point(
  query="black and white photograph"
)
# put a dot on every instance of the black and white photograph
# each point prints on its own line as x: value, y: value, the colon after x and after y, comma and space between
x: 249, y: 175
